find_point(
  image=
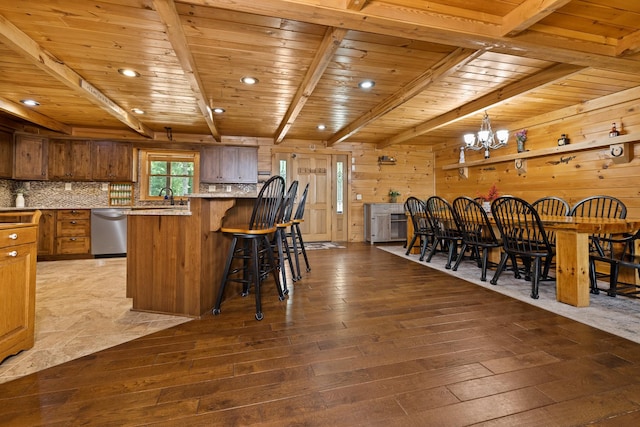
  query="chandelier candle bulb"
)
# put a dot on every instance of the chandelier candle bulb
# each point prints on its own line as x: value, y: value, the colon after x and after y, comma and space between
x: 486, y: 138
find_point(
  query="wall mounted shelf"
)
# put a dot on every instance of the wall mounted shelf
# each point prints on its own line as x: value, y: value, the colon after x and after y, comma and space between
x: 386, y: 160
x: 579, y: 146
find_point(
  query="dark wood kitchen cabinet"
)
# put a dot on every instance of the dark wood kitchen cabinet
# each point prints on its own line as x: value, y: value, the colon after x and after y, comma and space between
x: 30, y: 157
x: 70, y: 160
x: 6, y: 155
x: 64, y: 234
x: 47, y: 232
x: 229, y: 165
x: 112, y: 161
x: 73, y: 232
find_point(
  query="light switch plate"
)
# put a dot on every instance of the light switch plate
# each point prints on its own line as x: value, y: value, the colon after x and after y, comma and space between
x: 105, y: 186
x: 67, y: 186
x: 212, y: 188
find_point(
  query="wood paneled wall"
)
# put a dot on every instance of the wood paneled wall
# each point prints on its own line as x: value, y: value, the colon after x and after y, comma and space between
x: 412, y: 175
x: 571, y: 175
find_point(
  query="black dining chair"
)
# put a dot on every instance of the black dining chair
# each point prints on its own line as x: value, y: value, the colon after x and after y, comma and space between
x: 599, y: 207
x: 523, y: 237
x: 445, y: 228
x: 477, y: 232
x: 251, y: 247
x: 421, y: 226
x: 622, y: 255
x: 551, y: 206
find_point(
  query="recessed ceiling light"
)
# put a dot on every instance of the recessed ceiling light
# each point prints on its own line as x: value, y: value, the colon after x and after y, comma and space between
x: 248, y: 80
x: 30, y: 102
x: 218, y: 110
x: 137, y: 111
x: 128, y: 72
x: 321, y: 127
x: 366, y: 84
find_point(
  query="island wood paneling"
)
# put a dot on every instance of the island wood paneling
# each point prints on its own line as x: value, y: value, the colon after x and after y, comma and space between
x: 175, y: 262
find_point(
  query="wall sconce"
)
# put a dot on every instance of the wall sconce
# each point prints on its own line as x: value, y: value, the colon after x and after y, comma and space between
x: 486, y: 138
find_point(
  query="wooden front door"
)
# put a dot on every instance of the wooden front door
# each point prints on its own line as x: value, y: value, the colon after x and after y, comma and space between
x: 314, y: 169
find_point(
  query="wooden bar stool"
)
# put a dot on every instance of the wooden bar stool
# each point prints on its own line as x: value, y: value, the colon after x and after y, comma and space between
x: 280, y: 243
x: 296, y: 234
x: 252, y: 247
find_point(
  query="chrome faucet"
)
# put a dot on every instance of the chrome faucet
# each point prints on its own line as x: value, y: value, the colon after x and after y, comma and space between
x: 168, y: 194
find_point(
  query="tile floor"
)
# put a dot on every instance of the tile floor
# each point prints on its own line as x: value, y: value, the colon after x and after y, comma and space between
x: 81, y: 308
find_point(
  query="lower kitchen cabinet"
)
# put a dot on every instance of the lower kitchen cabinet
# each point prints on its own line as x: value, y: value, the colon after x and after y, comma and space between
x: 17, y: 293
x: 65, y: 233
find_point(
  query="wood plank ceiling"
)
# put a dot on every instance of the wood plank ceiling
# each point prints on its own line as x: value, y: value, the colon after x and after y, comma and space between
x: 437, y: 66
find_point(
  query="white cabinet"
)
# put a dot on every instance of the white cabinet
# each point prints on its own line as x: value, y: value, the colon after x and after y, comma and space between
x: 384, y: 222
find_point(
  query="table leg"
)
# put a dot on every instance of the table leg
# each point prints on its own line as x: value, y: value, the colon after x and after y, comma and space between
x: 572, y: 268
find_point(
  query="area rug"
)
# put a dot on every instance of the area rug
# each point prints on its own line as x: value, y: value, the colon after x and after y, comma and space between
x: 322, y: 245
x: 619, y: 316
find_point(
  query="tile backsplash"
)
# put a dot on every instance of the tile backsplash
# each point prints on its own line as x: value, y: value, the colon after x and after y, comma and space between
x: 57, y: 194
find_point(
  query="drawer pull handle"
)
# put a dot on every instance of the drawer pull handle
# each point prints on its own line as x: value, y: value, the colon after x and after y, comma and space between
x: 13, y: 236
x: 73, y: 222
x: 73, y: 239
x: 13, y: 253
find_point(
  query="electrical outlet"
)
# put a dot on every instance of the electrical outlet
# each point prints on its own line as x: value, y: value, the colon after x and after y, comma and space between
x: 212, y: 188
x: 105, y: 186
x: 228, y: 189
x: 67, y: 186
x: 358, y: 196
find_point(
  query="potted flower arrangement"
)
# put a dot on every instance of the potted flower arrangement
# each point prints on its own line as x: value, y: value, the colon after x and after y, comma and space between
x: 393, y: 195
x: 521, y: 138
x: 489, y: 197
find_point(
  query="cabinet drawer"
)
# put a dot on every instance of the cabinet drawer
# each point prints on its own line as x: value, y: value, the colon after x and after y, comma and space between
x: 74, y: 214
x: 17, y: 236
x: 73, y: 227
x: 73, y: 245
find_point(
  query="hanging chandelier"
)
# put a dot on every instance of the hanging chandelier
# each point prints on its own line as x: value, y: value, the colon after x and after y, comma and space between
x: 486, y: 139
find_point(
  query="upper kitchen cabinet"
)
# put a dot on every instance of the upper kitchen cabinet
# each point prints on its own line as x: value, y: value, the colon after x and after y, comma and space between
x: 6, y: 155
x: 70, y: 160
x: 30, y: 157
x: 112, y: 161
x: 229, y: 165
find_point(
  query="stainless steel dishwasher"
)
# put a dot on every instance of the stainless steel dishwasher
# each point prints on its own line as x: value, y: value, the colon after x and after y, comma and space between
x: 108, y: 232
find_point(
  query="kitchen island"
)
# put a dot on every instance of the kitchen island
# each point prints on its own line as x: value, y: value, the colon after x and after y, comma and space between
x: 175, y: 257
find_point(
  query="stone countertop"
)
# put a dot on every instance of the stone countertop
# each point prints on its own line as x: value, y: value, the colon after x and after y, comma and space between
x: 151, y: 211
x: 224, y: 195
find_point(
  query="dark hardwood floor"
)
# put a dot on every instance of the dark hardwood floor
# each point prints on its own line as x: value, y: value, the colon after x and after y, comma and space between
x: 365, y: 339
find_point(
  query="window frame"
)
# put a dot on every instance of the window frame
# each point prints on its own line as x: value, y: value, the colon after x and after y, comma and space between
x: 149, y: 155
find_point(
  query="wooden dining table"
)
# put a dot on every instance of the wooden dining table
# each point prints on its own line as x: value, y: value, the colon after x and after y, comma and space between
x: 572, y: 252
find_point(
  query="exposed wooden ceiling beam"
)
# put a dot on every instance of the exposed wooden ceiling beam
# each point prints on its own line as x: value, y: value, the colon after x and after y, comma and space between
x: 629, y: 45
x: 330, y: 43
x: 477, y: 31
x: 171, y: 19
x: 29, y: 49
x: 32, y: 116
x: 536, y: 81
x: 356, y: 4
x: 447, y: 66
x: 527, y: 14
